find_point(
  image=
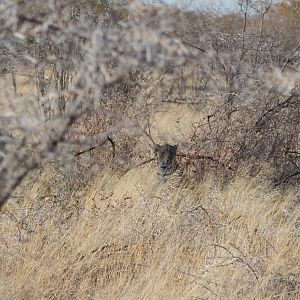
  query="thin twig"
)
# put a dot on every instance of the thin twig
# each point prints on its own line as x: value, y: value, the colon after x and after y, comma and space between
x: 289, y: 57
x: 202, y: 157
x: 108, y: 139
x: 287, y: 178
x: 141, y: 164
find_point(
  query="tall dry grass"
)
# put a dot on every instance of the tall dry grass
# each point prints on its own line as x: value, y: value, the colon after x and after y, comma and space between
x: 127, y: 237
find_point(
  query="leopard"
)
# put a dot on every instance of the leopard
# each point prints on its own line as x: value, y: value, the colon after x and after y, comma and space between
x: 166, y: 157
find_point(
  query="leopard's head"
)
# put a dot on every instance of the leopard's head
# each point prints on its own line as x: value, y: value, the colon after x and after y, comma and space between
x: 166, y: 156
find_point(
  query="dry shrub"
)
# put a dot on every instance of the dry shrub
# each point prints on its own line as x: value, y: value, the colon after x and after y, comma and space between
x: 108, y: 86
x: 244, y: 84
x: 103, y: 74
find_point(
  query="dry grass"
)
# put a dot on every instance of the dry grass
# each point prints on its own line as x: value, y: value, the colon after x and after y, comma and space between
x: 66, y: 236
x: 129, y: 238
x: 175, y: 123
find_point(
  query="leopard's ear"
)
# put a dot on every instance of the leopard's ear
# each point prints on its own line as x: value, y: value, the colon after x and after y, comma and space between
x: 157, y: 147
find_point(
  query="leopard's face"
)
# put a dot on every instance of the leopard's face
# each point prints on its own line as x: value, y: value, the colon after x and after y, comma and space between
x: 166, y: 156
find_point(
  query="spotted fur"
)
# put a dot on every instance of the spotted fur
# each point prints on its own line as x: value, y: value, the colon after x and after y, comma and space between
x: 166, y: 157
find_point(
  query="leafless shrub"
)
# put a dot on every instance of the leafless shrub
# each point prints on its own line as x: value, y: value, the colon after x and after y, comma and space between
x: 105, y: 53
x: 247, y: 92
x: 104, y: 74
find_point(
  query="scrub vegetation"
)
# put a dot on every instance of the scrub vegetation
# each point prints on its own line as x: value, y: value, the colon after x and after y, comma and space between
x: 91, y: 91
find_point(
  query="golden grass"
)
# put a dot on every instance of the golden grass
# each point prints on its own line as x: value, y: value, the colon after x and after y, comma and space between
x: 129, y: 238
